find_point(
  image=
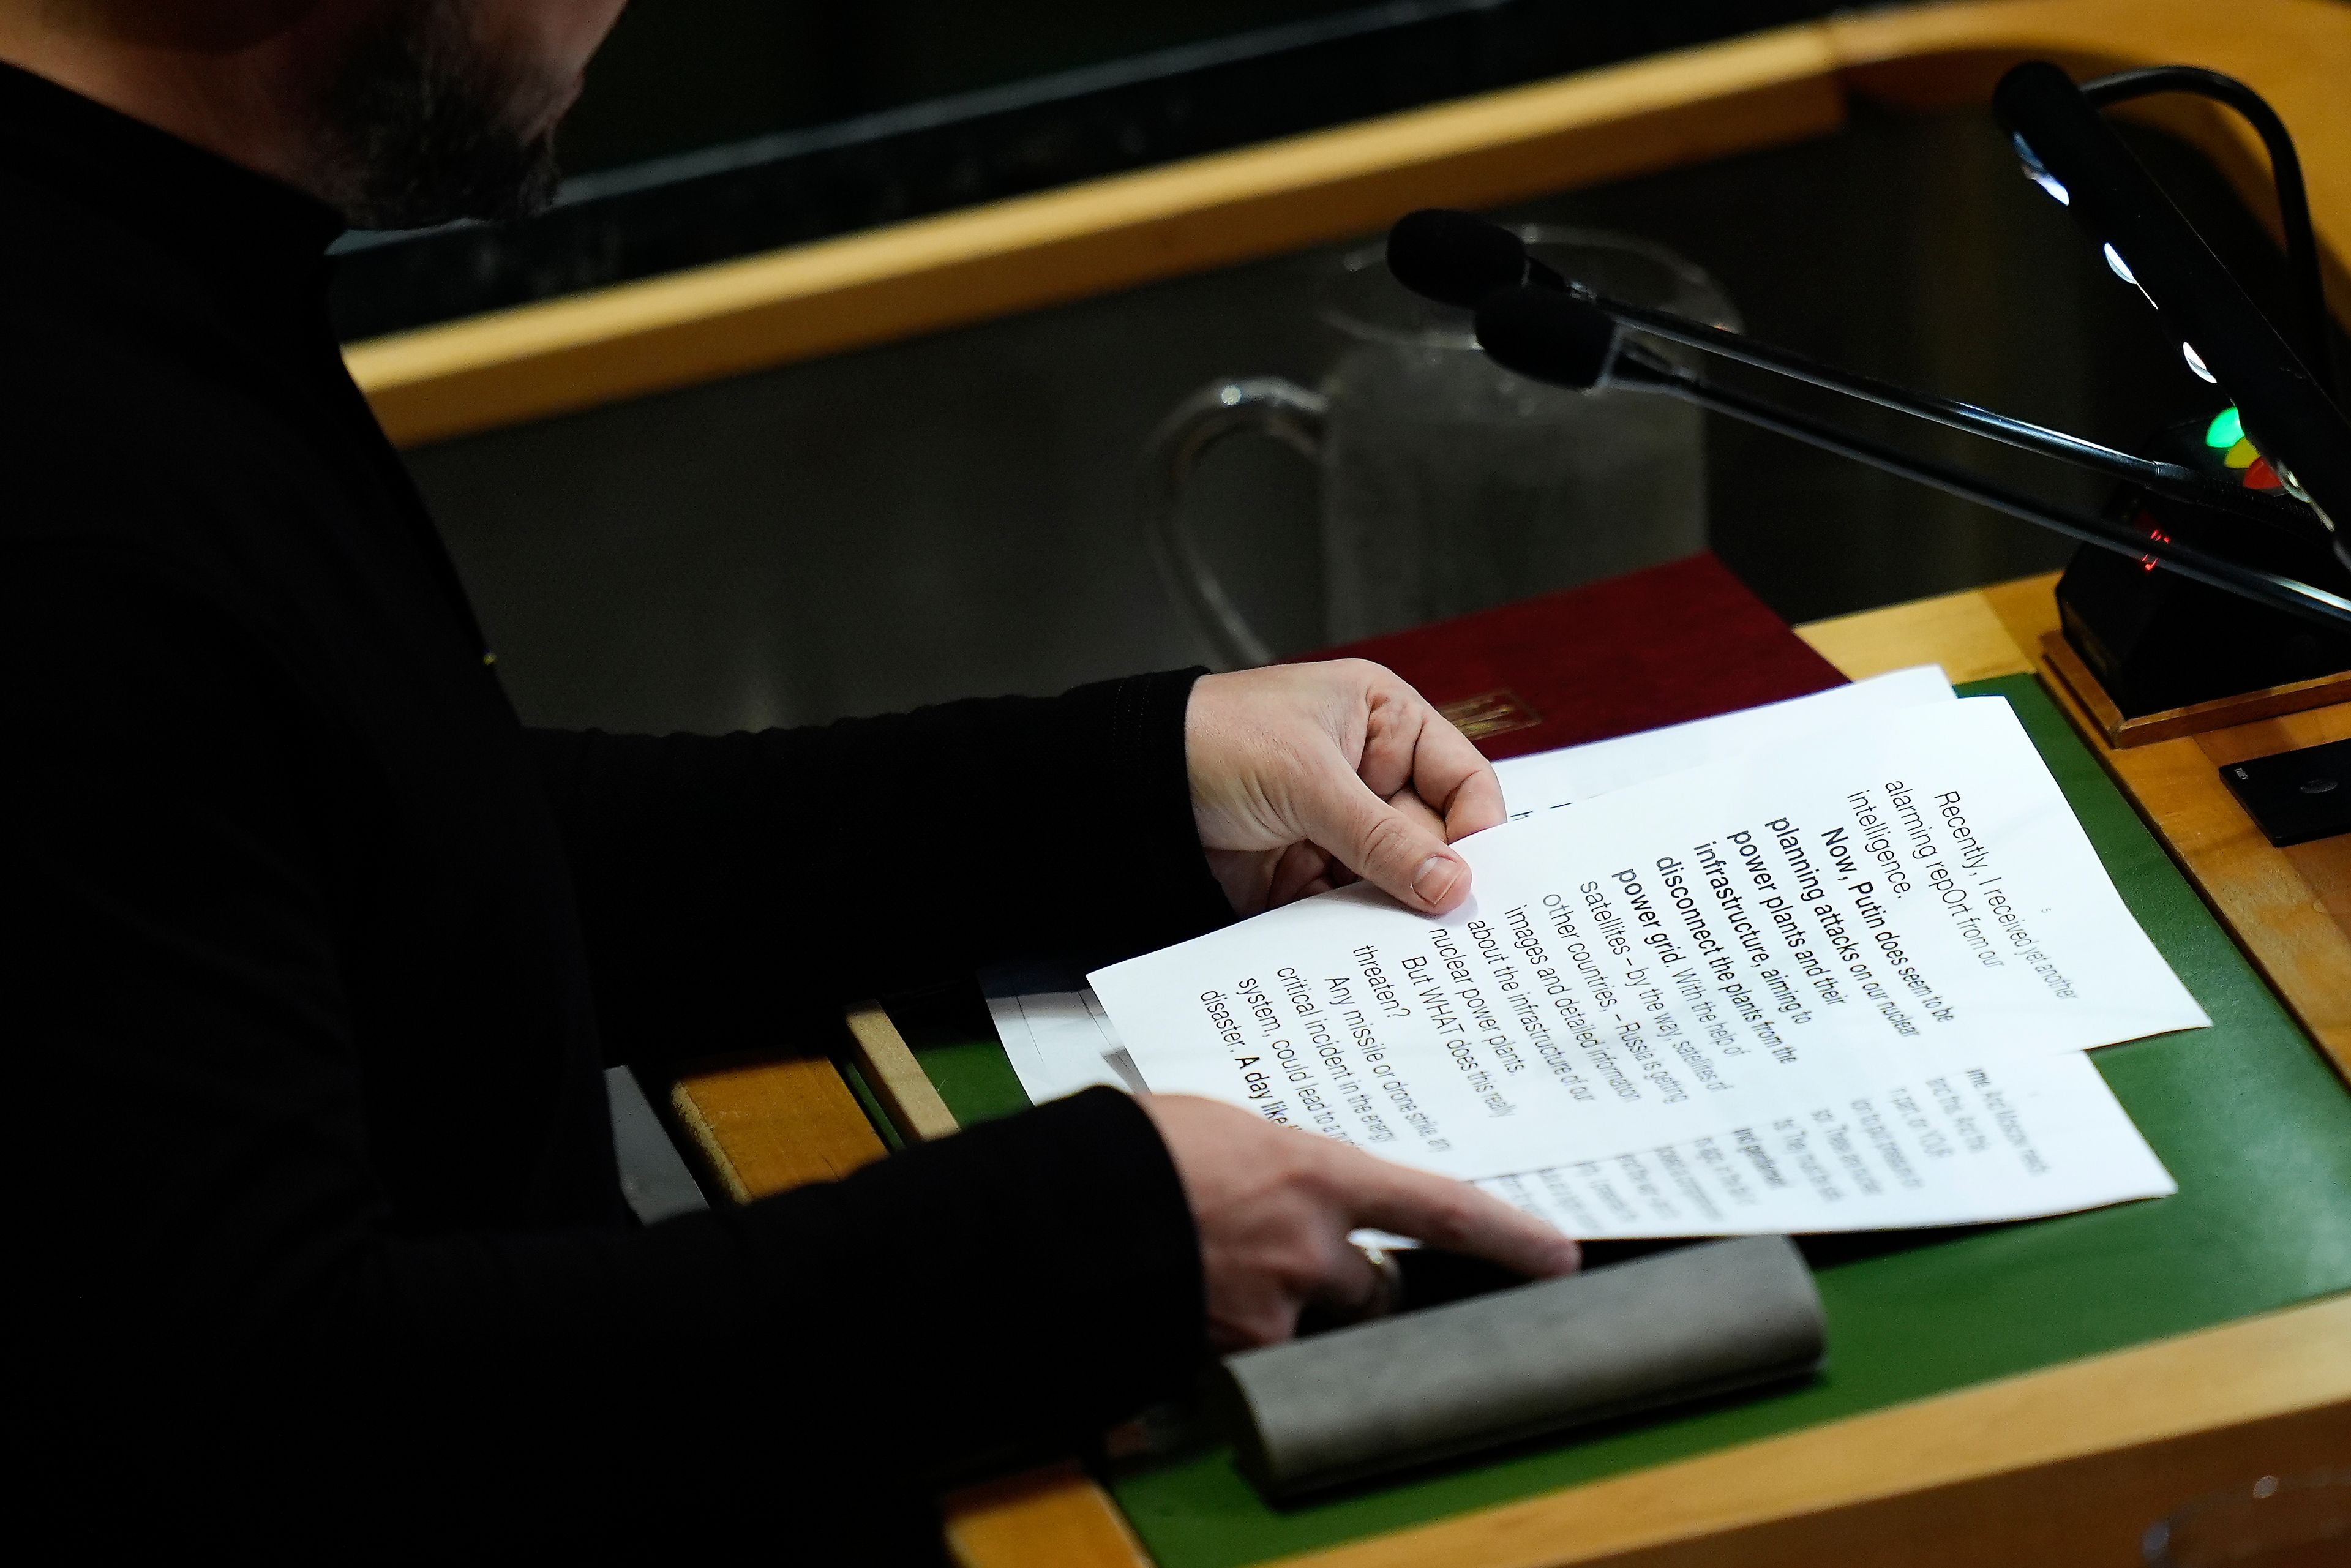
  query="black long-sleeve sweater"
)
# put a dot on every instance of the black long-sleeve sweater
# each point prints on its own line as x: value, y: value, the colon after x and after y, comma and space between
x: 320, y: 953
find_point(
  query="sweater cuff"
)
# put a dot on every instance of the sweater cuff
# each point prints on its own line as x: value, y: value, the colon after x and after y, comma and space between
x: 1027, y: 1282
x: 1141, y: 722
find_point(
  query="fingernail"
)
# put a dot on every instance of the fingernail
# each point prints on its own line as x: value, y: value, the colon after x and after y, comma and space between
x: 1436, y: 879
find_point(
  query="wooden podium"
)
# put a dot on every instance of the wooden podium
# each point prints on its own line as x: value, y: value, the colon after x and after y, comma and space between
x: 2061, y: 1464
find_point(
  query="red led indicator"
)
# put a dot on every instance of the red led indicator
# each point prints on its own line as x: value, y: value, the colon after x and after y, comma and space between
x: 2261, y: 476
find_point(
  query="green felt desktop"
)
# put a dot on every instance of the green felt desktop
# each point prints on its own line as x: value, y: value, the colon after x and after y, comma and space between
x: 2247, y: 1117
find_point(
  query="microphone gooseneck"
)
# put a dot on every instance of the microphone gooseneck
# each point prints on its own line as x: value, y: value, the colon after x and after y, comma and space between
x: 1459, y: 259
x: 1569, y: 341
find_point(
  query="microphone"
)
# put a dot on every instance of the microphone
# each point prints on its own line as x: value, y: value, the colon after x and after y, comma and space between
x: 1562, y: 338
x: 1569, y: 340
x: 2223, y: 336
x: 1460, y: 258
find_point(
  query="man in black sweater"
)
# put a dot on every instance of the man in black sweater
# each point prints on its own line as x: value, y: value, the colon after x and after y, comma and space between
x: 320, y: 952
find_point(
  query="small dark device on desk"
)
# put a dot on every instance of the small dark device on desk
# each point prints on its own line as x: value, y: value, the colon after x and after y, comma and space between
x: 2296, y: 796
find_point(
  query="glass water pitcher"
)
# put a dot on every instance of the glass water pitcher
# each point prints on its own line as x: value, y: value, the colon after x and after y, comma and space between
x: 1447, y: 483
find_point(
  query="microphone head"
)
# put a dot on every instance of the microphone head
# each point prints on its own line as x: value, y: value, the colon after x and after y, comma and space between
x: 1545, y: 335
x: 1456, y: 258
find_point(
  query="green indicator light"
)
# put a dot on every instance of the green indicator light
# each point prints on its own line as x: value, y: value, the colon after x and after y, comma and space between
x: 2227, y: 429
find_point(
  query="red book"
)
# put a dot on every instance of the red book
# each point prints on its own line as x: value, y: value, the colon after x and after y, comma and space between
x: 1682, y: 640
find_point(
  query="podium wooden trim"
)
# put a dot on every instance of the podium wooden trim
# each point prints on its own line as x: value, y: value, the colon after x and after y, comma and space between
x: 766, y: 1127
x: 1956, y: 1481
x: 698, y: 325
x: 888, y: 1064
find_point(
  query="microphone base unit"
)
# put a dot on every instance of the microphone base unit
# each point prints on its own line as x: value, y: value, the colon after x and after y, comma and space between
x: 2163, y: 655
x: 2164, y: 652
x: 2064, y: 669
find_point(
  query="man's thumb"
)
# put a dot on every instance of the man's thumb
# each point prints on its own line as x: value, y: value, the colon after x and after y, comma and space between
x: 1399, y: 856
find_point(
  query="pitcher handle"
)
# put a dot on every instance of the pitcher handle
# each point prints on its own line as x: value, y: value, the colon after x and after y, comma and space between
x: 1289, y: 412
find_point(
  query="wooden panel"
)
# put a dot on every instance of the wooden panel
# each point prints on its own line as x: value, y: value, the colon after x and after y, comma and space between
x: 2081, y: 1514
x: 718, y: 320
x: 768, y: 1128
x: 896, y: 1078
x: 2061, y: 1466
x: 2325, y: 868
x: 1959, y: 632
x: 1054, y: 1516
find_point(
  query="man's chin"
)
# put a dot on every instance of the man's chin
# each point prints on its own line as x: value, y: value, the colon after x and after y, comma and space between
x: 423, y: 128
x: 517, y: 185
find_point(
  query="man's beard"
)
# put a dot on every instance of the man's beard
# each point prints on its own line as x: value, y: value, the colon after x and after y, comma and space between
x: 425, y: 126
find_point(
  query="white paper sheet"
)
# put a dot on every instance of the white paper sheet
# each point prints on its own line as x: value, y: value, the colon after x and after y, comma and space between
x: 1947, y: 1142
x: 1059, y: 1040
x: 1548, y: 779
x: 1636, y: 969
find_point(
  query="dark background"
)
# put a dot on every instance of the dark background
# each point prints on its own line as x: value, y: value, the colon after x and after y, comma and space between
x: 958, y: 514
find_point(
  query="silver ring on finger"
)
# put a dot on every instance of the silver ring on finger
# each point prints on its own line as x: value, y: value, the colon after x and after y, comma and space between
x: 1388, y: 1283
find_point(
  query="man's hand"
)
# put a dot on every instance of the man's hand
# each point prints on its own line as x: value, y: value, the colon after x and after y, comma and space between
x: 1306, y: 777
x: 1274, y: 1206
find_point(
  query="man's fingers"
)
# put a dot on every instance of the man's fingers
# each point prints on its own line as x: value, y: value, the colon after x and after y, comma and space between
x: 1303, y: 870
x: 1407, y: 744
x: 1447, y: 763
x: 1409, y: 802
x: 1385, y: 847
x: 1477, y: 803
x: 1349, y: 1281
x: 1453, y: 1215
